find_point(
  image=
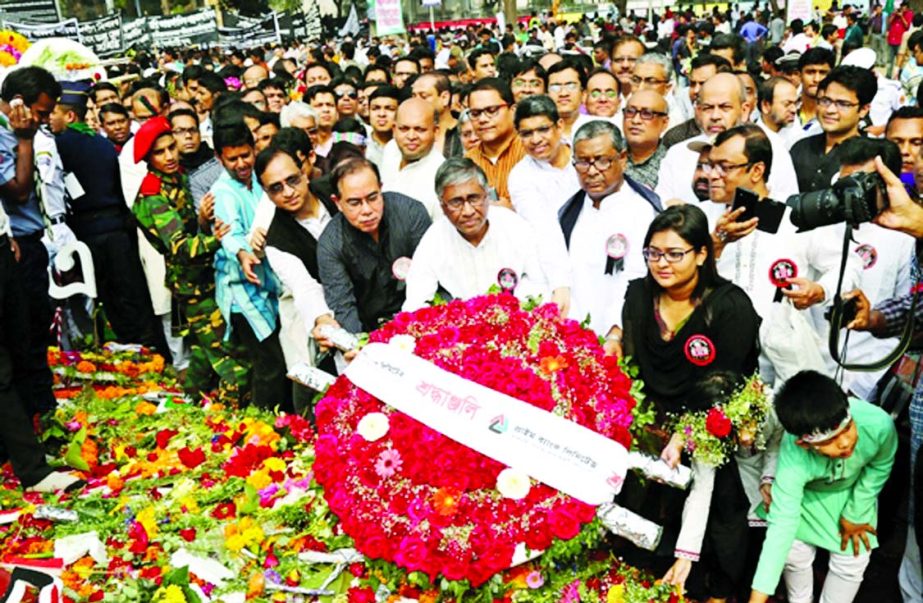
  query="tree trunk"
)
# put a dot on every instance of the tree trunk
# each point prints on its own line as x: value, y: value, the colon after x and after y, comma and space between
x: 509, y: 11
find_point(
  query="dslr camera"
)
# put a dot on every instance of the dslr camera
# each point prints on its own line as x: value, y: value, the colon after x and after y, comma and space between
x: 855, y: 199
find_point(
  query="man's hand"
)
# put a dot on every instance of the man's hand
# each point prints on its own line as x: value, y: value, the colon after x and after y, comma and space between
x: 758, y: 597
x: 902, y: 213
x: 17, y: 252
x: 21, y: 120
x: 613, y: 344
x: 805, y: 294
x: 672, y: 453
x: 855, y: 532
x: 322, y: 342
x: 728, y: 229
x: 258, y: 240
x: 221, y: 229
x: 766, y: 493
x: 561, y: 297
x: 866, y: 318
x: 247, y: 262
x: 207, y: 209
x: 678, y: 573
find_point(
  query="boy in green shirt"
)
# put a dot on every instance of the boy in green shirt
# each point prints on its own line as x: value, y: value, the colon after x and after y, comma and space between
x: 835, y: 457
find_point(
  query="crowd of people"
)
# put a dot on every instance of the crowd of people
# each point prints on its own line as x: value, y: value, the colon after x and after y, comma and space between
x: 243, y: 208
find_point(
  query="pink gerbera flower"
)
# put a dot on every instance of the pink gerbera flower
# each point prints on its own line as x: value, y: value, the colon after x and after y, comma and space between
x: 388, y: 463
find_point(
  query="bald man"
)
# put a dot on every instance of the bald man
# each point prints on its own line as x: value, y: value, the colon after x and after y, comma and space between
x: 410, y: 160
x: 720, y: 105
x: 645, y: 119
x: 253, y: 75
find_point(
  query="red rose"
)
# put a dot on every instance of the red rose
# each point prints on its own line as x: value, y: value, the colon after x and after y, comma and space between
x: 717, y: 423
x: 191, y: 458
x: 163, y: 437
x: 360, y: 595
x: 188, y: 534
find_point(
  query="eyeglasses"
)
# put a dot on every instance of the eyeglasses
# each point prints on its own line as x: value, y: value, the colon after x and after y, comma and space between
x: 721, y: 169
x: 292, y: 182
x: 353, y: 95
x: 648, y: 81
x: 598, y: 94
x: 542, y: 132
x: 825, y: 102
x: 457, y: 203
x: 646, y: 114
x: 629, y: 60
x: 673, y: 256
x: 569, y: 86
x: 488, y: 111
x: 185, y: 131
x: 601, y: 163
x: 531, y: 84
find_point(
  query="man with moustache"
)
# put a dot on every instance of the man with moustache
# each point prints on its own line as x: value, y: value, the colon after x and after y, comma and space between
x: 646, y: 116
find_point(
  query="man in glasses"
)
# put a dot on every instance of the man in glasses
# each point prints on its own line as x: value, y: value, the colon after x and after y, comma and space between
x: 778, y: 104
x: 843, y: 100
x: 476, y: 247
x: 410, y: 160
x: 645, y: 120
x: 626, y: 50
x: 364, y: 253
x: 347, y: 97
x: 654, y: 71
x: 195, y: 156
x: 490, y: 104
x: 602, y: 99
x: 566, y: 82
x: 604, y: 225
x: 530, y: 78
x: 702, y: 69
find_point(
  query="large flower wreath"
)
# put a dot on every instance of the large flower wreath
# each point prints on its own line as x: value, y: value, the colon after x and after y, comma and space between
x: 409, y: 495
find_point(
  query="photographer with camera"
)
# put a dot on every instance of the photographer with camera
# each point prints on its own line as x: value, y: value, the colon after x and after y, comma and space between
x: 758, y: 248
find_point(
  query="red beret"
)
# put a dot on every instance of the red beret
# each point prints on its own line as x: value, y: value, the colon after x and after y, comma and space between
x: 148, y: 134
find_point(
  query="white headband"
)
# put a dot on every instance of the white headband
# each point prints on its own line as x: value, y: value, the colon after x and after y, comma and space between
x: 824, y: 435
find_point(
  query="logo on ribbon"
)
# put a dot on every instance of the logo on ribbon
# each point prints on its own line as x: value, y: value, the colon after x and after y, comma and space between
x: 700, y: 350
x: 868, y: 254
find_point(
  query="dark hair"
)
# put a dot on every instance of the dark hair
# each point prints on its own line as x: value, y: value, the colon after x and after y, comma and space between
x: 714, y: 388
x: 861, y: 149
x: 268, y: 154
x: 120, y: 109
x: 347, y: 125
x: 797, y: 26
x: 422, y: 52
x: 690, y: 223
x: 348, y: 50
x: 314, y: 91
x: 212, y: 82
x: 441, y: 81
x: 495, y: 84
x: 231, y: 134
x: 385, y: 91
x: 917, y: 20
x: 293, y: 140
x: 192, y: 73
x: 536, y: 106
x: 569, y: 63
x: 860, y: 81
x: 373, y: 67
x: 626, y: 39
x: 406, y: 59
x: 321, y: 64
x: 507, y: 63
x: 273, y: 82
x: 527, y: 65
x: 809, y: 402
x: 757, y: 147
x: 98, y: 86
x: 721, y: 64
x: 478, y: 53
x: 771, y: 54
x: 234, y: 111
x: 908, y: 112
x: 29, y: 83
x: 766, y: 91
x: 827, y: 30
x: 915, y: 40
x: 604, y: 71
x: 817, y: 56
x: 734, y: 42
x: 268, y: 117
x: 351, y: 166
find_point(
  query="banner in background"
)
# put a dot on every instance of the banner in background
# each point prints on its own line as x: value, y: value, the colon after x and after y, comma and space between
x: 134, y: 33
x: 103, y: 36
x: 388, y: 18
x: 35, y: 32
x: 313, y: 28
x: 32, y: 11
x: 184, y: 30
x: 251, y: 32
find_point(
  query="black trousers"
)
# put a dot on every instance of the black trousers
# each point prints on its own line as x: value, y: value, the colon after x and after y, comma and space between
x: 271, y: 388
x: 17, y: 437
x: 123, y: 291
x: 32, y: 275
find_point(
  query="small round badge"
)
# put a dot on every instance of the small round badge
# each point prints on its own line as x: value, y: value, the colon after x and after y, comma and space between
x: 400, y: 268
x: 507, y: 279
x: 868, y: 254
x: 617, y: 246
x: 700, y: 350
x: 781, y: 272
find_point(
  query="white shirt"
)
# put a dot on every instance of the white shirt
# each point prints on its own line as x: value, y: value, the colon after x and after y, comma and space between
x: 799, y: 43
x: 417, y: 180
x: 537, y: 191
x: 889, y: 98
x: 446, y: 259
x: 132, y: 173
x: 4, y: 223
x: 674, y: 180
x: 596, y: 293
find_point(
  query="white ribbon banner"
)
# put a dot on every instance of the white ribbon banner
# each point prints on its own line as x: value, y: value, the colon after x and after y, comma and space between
x: 557, y: 452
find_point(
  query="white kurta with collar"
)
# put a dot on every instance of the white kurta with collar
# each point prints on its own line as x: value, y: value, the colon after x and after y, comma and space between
x: 537, y: 191
x: 417, y: 180
x: 445, y: 258
x: 595, y: 293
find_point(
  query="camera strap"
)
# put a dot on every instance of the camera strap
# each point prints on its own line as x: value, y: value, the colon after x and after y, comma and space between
x: 837, y: 316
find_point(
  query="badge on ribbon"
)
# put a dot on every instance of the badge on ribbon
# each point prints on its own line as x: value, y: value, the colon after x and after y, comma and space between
x: 868, y: 254
x: 700, y: 350
x: 400, y: 268
x: 616, y: 250
x: 507, y: 279
x: 780, y: 273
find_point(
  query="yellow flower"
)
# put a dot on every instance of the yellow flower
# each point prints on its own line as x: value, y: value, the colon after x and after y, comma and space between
x: 190, y: 503
x: 259, y: 479
x: 148, y: 519
x: 274, y: 464
x: 616, y: 594
x: 170, y: 594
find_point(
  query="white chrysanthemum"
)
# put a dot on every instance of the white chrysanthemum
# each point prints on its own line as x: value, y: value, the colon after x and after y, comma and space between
x: 404, y: 343
x: 373, y: 426
x: 513, y: 484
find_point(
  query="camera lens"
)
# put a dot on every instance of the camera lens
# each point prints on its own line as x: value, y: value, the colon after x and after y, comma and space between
x: 815, y: 209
